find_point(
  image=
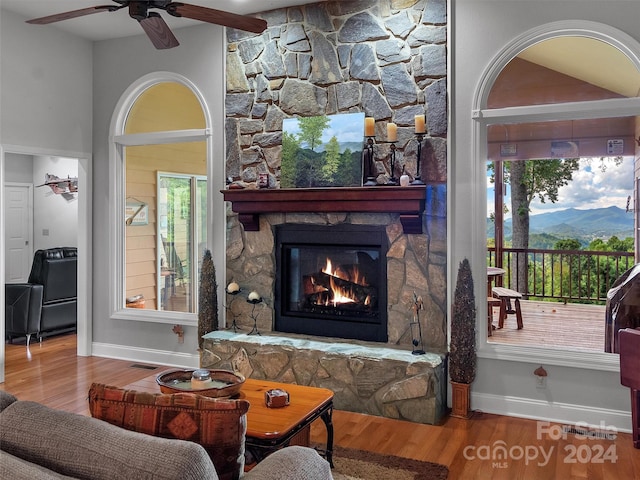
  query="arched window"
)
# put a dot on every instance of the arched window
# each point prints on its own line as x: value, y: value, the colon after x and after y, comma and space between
x: 558, y: 103
x: 161, y: 146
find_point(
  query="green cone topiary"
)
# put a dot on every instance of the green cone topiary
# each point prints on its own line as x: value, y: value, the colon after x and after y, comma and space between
x: 462, y: 349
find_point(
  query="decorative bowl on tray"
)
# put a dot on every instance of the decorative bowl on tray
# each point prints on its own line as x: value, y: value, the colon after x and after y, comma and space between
x: 210, y: 383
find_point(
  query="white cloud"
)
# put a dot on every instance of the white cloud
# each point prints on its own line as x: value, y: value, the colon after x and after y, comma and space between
x: 593, y: 187
x: 590, y: 187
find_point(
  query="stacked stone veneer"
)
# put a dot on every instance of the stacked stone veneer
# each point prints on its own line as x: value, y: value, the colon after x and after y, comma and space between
x: 377, y: 381
x: 386, y: 58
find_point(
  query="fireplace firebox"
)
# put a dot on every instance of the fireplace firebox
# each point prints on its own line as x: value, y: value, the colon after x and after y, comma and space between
x: 332, y: 281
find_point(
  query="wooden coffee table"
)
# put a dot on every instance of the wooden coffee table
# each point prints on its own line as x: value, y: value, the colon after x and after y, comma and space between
x: 269, y: 429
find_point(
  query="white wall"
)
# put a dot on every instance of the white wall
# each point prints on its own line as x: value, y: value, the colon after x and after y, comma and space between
x: 18, y: 168
x: 46, y: 87
x: 55, y: 217
x: 117, y: 65
x: 46, y: 109
x: 507, y: 386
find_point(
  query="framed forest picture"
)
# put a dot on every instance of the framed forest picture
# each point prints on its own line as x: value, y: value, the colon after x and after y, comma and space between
x: 322, y: 151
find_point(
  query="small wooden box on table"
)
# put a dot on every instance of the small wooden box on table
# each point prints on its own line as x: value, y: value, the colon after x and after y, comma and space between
x: 270, y: 429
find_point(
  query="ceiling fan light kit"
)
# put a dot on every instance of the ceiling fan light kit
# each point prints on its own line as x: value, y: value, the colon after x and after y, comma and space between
x: 153, y: 24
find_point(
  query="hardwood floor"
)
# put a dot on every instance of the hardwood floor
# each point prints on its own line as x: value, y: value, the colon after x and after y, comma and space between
x: 56, y: 377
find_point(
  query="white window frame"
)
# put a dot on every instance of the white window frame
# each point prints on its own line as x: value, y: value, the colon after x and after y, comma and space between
x: 118, y: 142
x: 482, y: 117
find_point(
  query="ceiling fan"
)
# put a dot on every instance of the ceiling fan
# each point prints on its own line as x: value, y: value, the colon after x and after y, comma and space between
x: 152, y: 23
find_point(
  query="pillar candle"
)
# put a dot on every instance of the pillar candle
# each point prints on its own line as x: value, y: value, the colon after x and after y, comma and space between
x: 392, y: 132
x: 369, y: 127
x: 420, y: 124
x: 254, y: 297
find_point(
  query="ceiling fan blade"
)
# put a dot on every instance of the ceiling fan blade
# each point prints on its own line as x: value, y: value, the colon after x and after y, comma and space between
x: 73, y: 14
x: 218, y: 17
x: 158, y: 31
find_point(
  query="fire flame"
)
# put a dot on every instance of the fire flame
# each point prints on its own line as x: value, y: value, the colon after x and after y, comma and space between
x: 342, y: 295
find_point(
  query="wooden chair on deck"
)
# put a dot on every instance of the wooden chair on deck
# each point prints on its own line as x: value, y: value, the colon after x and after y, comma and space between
x: 505, y: 295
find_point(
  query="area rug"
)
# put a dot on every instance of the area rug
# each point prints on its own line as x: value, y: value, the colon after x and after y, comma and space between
x: 361, y: 465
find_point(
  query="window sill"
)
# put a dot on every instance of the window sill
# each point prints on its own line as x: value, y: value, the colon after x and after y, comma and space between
x: 589, y: 360
x: 153, y: 316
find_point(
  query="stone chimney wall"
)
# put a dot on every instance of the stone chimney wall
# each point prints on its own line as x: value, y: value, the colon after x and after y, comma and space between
x: 386, y: 58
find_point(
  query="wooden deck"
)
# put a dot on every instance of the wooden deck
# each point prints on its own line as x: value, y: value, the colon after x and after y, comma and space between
x: 554, y: 324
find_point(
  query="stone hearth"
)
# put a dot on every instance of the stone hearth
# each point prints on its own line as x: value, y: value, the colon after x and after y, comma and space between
x: 365, y: 378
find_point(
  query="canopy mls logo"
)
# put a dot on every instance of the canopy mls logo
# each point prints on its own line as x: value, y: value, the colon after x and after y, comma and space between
x: 596, y: 450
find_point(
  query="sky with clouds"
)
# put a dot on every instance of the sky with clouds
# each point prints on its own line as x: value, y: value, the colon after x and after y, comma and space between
x: 347, y: 127
x: 591, y: 187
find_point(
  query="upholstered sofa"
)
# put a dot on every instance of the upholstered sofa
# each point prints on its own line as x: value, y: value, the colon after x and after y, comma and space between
x: 40, y: 443
x: 47, y: 304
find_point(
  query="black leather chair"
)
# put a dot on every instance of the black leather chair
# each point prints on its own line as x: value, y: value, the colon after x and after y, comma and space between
x: 48, y: 303
x: 23, y: 305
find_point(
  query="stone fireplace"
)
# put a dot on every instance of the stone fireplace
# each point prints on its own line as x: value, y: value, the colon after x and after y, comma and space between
x: 331, y: 281
x: 387, y: 59
x: 404, y: 227
x: 377, y: 378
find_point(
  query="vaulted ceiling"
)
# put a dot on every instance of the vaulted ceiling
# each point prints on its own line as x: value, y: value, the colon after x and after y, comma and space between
x: 106, y: 25
x: 588, y: 60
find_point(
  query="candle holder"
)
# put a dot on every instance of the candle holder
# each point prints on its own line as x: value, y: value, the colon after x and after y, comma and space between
x: 368, y: 160
x: 393, y: 180
x: 232, y: 296
x: 417, y: 180
x: 254, y: 302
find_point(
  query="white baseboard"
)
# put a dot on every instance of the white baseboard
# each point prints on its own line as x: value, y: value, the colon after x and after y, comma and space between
x: 145, y: 355
x: 552, y: 411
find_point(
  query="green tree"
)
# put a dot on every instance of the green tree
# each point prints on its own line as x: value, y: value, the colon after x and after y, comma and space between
x: 290, y: 149
x: 350, y: 173
x: 331, y: 164
x: 311, y: 129
x: 566, y: 268
x: 567, y: 244
x: 532, y: 179
x: 613, y: 244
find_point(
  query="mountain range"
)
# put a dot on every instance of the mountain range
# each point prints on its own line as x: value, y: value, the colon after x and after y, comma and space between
x: 584, y: 225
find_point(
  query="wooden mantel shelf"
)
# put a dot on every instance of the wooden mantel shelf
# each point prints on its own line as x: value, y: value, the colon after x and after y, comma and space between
x: 409, y: 202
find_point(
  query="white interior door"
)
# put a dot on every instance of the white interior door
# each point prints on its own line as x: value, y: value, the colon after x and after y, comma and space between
x: 18, y: 201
